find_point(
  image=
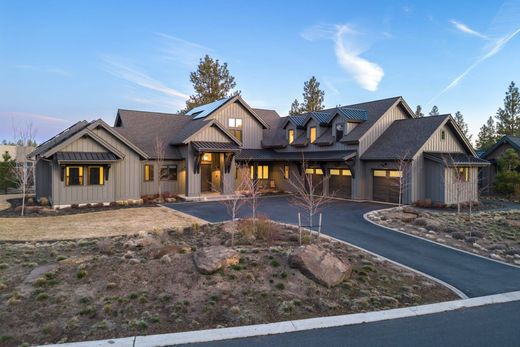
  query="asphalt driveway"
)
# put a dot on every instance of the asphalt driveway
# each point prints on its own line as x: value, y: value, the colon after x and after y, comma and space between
x: 474, y: 276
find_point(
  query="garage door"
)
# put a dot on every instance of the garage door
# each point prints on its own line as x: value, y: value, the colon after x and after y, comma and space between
x: 386, y: 185
x: 317, y: 180
x: 340, y: 183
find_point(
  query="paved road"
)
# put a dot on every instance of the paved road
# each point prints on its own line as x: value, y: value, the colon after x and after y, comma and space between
x: 491, y: 325
x: 472, y: 275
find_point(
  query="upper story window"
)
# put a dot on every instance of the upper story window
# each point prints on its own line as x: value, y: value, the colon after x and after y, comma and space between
x: 235, y: 125
x: 95, y: 175
x: 443, y: 135
x: 148, y: 172
x: 290, y: 135
x: 339, y: 131
x: 312, y: 134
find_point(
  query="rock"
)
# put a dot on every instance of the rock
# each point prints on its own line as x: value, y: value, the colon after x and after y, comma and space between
x: 166, y: 259
x: 410, y: 209
x: 211, y: 259
x: 458, y: 235
x: 402, y: 216
x: 320, y: 265
x: 477, y: 246
x: 428, y: 223
x: 470, y: 239
x: 170, y: 199
x: 129, y: 255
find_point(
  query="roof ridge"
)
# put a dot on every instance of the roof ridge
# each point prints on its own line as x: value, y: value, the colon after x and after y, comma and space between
x: 157, y: 113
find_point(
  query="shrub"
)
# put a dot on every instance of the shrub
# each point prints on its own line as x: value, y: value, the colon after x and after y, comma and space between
x: 275, y: 263
x: 60, y: 257
x: 3, y: 266
x: 44, y: 201
x: 105, y: 246
x: 81, y: 274
x: 40, y: 281
x: 42, y: 296
x: 74, y: 206
x: 279, y: 286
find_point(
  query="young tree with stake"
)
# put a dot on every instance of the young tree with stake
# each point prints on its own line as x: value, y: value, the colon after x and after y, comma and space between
x: 23, y: 171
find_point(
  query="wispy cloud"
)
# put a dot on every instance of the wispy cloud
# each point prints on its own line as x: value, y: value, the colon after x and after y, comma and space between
x: 367, y: 74
x: 491, y: 51
x: 181, y: 51
x: 467, y: 30
x: 45, y: 69
x: 130, y: 74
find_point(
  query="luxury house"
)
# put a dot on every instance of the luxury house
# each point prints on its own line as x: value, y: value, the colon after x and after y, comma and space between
x: 489, y: 173
x: 366, y: 151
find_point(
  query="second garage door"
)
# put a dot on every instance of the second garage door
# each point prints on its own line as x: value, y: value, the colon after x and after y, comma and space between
x: 340, y: 183
x: 385, y: 186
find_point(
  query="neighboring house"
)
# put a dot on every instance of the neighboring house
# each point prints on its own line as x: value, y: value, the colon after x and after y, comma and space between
x: 19, y: 154
x: 358, y: 149
x: 489, y: 173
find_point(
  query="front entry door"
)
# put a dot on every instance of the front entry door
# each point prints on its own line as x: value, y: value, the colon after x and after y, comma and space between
x: 205, y: 178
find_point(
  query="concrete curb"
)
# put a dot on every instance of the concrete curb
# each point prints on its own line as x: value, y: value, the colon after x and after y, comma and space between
x: 296, y: 325
x: 365, y: 216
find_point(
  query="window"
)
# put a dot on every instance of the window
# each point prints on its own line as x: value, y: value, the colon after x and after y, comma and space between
x: 169, y: 173
x: 148, y: 172
x: 314, y: 171
x: 312, y: 134
x: 286, y: 172
x: 379, y: 173
x: 95, y: 175
x: 74, y: 175
x: 443, y: 135
x: 290, y: 135
x: 394, y: 173
x: 339, y: 131
x: 338, y: 172
x: 207, y: 158
x: 235, y: 125
x: 387, y: 173
x: 262, y: 172
x: 462, y: 174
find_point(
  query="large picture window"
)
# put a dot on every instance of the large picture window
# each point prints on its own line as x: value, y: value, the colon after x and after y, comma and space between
x: 95, y: 175
x: 74, y: 175
x: 148, y: 172
x: 169, y: 173
x: 235, y: 126
x: 262, y: 172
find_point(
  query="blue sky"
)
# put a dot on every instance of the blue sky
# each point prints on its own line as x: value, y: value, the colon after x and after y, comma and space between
x: 63, y: 61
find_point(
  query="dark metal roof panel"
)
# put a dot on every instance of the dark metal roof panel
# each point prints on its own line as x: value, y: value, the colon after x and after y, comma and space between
x: 452, y: 159
x: 215, y: 146
x: 86, y: 156
x: 270, y: 155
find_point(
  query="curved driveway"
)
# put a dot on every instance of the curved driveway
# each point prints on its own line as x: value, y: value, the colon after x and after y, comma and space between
x: 474, y: 276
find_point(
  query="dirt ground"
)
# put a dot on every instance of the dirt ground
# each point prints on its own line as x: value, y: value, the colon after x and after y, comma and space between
x: 494, y: 234
x: 110, y: 222
x: 147, y: 284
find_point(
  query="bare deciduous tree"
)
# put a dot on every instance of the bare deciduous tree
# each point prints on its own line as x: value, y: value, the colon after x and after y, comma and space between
x: 252, y: 189
x: 236, y: 201
x: 159, y: 149
x: 23, y: 172
x: 404, y: 165
x: 306, y: 195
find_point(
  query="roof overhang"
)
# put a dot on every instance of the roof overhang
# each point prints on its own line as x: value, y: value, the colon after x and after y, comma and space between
x: 215, y: 123
x: 455, y: 159
x: 85, y: 157
x: 215, y: 147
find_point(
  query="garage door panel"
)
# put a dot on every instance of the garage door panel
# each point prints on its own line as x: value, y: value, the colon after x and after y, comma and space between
x: 341, y: 186
x: 385, y: 188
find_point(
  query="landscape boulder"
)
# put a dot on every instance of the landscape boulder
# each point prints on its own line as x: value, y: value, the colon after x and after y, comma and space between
x: 320, y: 265
x: 211, y: 259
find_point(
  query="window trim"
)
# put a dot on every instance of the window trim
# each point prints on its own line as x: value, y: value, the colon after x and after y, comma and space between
x: 101, y: 175
x: 262, y: 172
x: 67, y: 175
x: 168, y: 167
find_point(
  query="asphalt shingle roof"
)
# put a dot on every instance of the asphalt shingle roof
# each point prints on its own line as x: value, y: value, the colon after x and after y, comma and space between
x: 403, y: 138
x: 64, y: 135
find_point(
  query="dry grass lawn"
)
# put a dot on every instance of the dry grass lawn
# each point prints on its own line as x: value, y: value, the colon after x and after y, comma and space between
x: 124, y: 221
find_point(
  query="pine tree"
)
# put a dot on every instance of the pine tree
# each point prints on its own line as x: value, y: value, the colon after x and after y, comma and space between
x: 7, y: 165
x: 295, y: 108
x: 508, y: 118
x: 212, y: 81
x: 418, y: 112
x: 313, y: 98
x: 487, y: 135
x: 459, y: 119
x: 434, y: 111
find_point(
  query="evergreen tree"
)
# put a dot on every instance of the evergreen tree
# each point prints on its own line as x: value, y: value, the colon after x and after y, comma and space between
x: 434, y: 111
x: 7, y: 166
x: 212, y: 81
x: 508, y: 118
x: 487, y: 135
x: 313, y: 98
x: 418, y: 112
x: 295, y: 108
x: 507, y: 180
x: 459, y: 119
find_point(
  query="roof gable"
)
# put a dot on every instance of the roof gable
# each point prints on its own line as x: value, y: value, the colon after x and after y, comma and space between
x: 212, y: 123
